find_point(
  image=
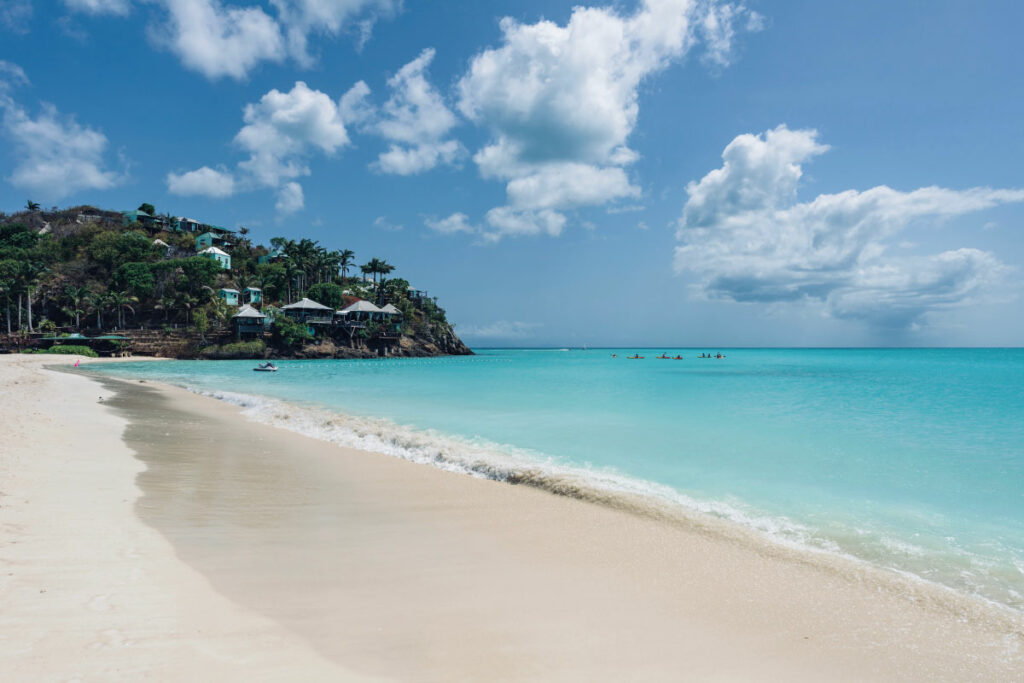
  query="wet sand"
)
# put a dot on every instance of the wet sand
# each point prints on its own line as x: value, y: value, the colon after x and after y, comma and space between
x: 364, y: 565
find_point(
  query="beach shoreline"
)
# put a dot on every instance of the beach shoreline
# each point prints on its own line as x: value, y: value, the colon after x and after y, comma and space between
x: 366, y: 565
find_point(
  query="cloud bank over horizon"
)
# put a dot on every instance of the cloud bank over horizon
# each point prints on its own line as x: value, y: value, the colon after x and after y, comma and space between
x: 748, y: 240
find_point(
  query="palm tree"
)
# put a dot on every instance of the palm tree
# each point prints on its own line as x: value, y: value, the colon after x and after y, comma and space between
x: 6, y: 287
x: 78, y: 296
x: 346, y: 259
x: 99, y: 302
x: 121, y: 301
x: 165, y: 304
x: 31, y: 205
x: 384, y: 268
x: 187, y: 303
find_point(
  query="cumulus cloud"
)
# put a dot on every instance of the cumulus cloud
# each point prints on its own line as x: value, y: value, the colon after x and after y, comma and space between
x: 56, y: 156
x: 283, y: 127
x: 282, y: 130
x: 505, y: 221
x: 746, y: 236
x: 218, y: 40
x: 302, y: 18
x: 562, y: 101
x: 290, y: 198
x: 455, y: 223
x: 115, y: 7
x: 203, y: 181
x: 415, y: 119
x: 502, y: 329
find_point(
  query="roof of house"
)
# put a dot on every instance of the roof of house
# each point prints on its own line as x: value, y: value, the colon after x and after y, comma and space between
x: 251, y: 289
x: 361, y: 306
x: 214, y: 250
x: 305, y: 304
x: 390, y: 308
x: 248, y: 311
x: 228, y: 289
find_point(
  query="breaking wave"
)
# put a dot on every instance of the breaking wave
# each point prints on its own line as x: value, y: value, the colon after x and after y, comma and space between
x: 769, y: 535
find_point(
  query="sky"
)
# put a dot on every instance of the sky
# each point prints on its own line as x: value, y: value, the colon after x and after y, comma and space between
x: 636, y: 173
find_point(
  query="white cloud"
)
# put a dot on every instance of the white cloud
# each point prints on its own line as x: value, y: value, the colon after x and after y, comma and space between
x: 218, y: 40
x: 281, y: 131
x: 415, y: 119
x: 455, y: 223
x: 11, y: 76
x: 502, y: 329
x: 354, y: 106
x: 115, y: 7
x: 15, y: 15
x: 290, y: 198
x: 282, y: 128
x: 506, y: 221
x: 569, y: 184
x: 55, y: 155
x: 302, y: 18
x: 748, y: 239
x: 202, y: 181
x: 382, y: 223
x: 562, y: 101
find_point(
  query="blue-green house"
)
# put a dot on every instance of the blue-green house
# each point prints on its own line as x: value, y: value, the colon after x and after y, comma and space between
x: 230, y: 296
x: 274, y: 255
x: 183, y: 224
x: 252, y: 295
x: 218, y: 255
x: 210, y: 239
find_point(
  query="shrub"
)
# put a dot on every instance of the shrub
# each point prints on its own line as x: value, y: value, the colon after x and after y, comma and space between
x: 237, y: 351
x: 288, y: 332
x: 73, y: 350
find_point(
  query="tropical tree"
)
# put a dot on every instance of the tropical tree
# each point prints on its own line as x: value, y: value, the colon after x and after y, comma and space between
x: 165, y: 304
x: 187, y: 302
x: 121, y: 301
x: 31, y: 205
x: 383, y: 269
x: 77, y: 297
x: 99, y: 302
x: 148, y: 208
x: 346, y: 259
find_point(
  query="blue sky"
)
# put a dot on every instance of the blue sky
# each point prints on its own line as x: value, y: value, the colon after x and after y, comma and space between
x: 664, y: 172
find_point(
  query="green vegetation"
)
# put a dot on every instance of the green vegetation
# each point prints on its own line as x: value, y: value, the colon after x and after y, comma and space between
x: 70, y: 350
x: 236, y: 351
x: 82, y: 270
x: 289, y: 334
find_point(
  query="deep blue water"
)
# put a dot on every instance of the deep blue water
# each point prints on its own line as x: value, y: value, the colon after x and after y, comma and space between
x: 908, y: 458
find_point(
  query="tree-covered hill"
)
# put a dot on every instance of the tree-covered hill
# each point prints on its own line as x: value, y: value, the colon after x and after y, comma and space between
x: 86, y: 270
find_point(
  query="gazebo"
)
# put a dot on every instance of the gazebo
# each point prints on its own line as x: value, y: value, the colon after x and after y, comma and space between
x: 308, y: 311
x: 361, y: 311
x: 248, y: 322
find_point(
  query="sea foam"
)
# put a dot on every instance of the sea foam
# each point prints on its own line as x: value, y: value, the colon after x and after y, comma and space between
x: 772, y: 535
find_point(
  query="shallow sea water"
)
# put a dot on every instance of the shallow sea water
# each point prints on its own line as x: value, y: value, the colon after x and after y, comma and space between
x: 911, y: 459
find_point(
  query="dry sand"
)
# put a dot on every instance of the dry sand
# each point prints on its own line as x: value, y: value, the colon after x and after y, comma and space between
x: 228, y: 550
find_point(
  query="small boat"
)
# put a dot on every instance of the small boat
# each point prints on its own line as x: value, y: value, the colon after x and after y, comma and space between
x: 678, y: 358
x: 637, y: 356
x: 265, y: 367
x: 663, y: 357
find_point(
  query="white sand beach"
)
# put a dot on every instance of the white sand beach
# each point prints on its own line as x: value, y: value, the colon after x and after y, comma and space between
x: 159, y: 535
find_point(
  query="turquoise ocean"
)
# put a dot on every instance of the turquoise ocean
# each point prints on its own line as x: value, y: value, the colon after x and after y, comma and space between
x: 909, y: 459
